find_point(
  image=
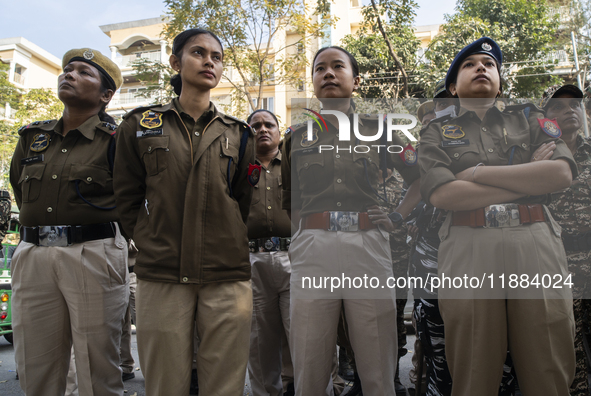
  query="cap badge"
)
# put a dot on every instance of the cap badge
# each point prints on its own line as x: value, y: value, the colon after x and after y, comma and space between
x: 88, y: 54
x: 486, y: 47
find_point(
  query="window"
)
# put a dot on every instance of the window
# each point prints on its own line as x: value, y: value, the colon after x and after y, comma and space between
x: 300, y: 87
x: 267, y: 104
x: 19, y: 74
x: 300, y: 48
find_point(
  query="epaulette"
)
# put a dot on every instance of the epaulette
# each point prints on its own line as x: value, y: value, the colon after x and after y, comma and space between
x: 295, y: 127
x: 444, y: 118
x: 108, y: 127
x: 520, y: 107
x: 37, y: 124
x: 133, y: 111
x: 237, y: 120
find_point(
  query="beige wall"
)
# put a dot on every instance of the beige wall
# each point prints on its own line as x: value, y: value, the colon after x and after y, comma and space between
x: 151, y: 31
x: 41, y: 74
x: 4, y: 55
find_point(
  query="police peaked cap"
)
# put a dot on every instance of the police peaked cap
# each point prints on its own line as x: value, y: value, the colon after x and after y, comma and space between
x: 557, y: 90
x: 104, y: 65
x: 440, y: 91
x: 484, y: 45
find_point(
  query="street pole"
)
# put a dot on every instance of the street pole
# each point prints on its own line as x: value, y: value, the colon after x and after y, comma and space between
x: 572, y: 36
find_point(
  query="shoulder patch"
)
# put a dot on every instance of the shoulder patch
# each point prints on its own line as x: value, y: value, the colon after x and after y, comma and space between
x: 550, y: 127
x: 409, y: 155
x: 237, y: 120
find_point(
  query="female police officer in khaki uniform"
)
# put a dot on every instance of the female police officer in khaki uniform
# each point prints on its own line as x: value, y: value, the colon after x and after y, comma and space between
x: 183, y: 188
x: 69, y: 272
x: 318, y: 186
x: 497, y: 227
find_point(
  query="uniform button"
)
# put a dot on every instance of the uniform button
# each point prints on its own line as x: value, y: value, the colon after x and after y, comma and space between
x: 196, y: 133
x: 338, y: 204
x: 54, y: 177
x: 484, y: 129
x: 305, y: 165
x: 185, y: 279
x: 490, y: 150
x: 149, y: 148
x: 50, y: 209
x: 268, y: 171
x: 27, y: 177
x: 456, y: 155
x: 64, y: 150
x: 89, y: 179
x: 221, y: 155
x: 339, y: 180
x: 523, y: 145
x: 337, y: 156
x: 268, y: 188
x: 269, y: 207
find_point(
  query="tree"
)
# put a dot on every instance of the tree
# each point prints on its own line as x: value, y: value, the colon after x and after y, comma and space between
x: 525, y: 31
x: 9, y: 93
x: 381, y: 72
x: 253, y: 36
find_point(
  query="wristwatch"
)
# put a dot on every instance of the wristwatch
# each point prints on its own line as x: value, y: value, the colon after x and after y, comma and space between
x: 396, y: 218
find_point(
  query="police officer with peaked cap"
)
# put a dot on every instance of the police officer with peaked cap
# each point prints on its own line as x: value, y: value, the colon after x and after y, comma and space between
x: 69, y: 272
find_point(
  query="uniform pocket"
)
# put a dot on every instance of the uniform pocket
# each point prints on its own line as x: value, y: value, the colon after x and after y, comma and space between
x: 310, y: 169
x: 94, y: 183
x: 467, y: 154
x: 256, y: 195
x: 228, y: 158
x: 154, y: 151
x: 30, y: 182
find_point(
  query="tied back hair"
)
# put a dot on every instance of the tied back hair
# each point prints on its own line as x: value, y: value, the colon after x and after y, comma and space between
x: 177, y: 49
x: 260, y: 111
x: 102, y: 114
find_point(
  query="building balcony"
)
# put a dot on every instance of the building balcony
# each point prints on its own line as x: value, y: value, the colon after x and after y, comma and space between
x: 126, y: 61
x: 130, y: 98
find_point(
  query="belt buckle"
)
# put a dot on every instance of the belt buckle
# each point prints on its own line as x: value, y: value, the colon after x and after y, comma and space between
x: 344, y: 221
x: 501, y: 215
x: 54, y: 236
x: 271, y: 244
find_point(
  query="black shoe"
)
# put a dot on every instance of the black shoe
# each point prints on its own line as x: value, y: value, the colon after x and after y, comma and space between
x: 356, y: 388
x: 127, y: 376
x: 346, y: 370
x: 398, y: 387
x: 194, y: 389
x: 290, y: 390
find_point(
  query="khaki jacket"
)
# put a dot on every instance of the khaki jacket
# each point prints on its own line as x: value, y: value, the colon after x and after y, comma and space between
x: 64, y: 180
x: 173, y: 194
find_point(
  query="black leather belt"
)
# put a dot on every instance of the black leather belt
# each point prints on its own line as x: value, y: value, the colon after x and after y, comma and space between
x: 270, y: 244
x: 66, y: 235
x: 577, y: 242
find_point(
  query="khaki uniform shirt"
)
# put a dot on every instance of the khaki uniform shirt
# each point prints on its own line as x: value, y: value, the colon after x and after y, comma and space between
x: 484, y: 141
x: 187, y: 220
x: 316, y: 181
x: 47, y: 166
x: 266, y: 218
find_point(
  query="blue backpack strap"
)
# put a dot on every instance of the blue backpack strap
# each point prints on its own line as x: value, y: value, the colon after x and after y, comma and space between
x: 526, y: 112
x: 241, y: 151
x: 111, y: 152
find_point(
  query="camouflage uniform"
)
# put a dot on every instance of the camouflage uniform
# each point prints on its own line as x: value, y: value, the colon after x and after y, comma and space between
x: 399, y: 248
x: 5, y: 206
x: 572, y: 210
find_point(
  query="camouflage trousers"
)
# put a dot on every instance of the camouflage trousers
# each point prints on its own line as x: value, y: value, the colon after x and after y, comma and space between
x: 580, y: 385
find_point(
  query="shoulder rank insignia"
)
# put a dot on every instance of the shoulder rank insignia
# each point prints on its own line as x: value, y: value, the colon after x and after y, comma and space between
x: 40, y: 142
x: 409, y: 155
x: 453, y: 131
x: 306, y: 142
x: 109, y: 126
x: 151, y: 119
x: 550, y: 127
x: 254, y: 174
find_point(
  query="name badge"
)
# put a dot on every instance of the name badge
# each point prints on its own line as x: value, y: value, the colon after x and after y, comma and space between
x: 32, y: 160
x: 149, y: 132
x: 455, y: 143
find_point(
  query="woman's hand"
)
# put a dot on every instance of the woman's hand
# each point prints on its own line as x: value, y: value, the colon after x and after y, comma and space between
x: 378, y: 217
x: 544, y: 152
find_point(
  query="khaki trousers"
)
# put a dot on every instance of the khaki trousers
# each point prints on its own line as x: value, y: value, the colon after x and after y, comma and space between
x: 69, y: 295
x: 270, y: 324
x: 539, y: 333
x: 166, y: 317
x: 127, y: 362
x: 371, y: 322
